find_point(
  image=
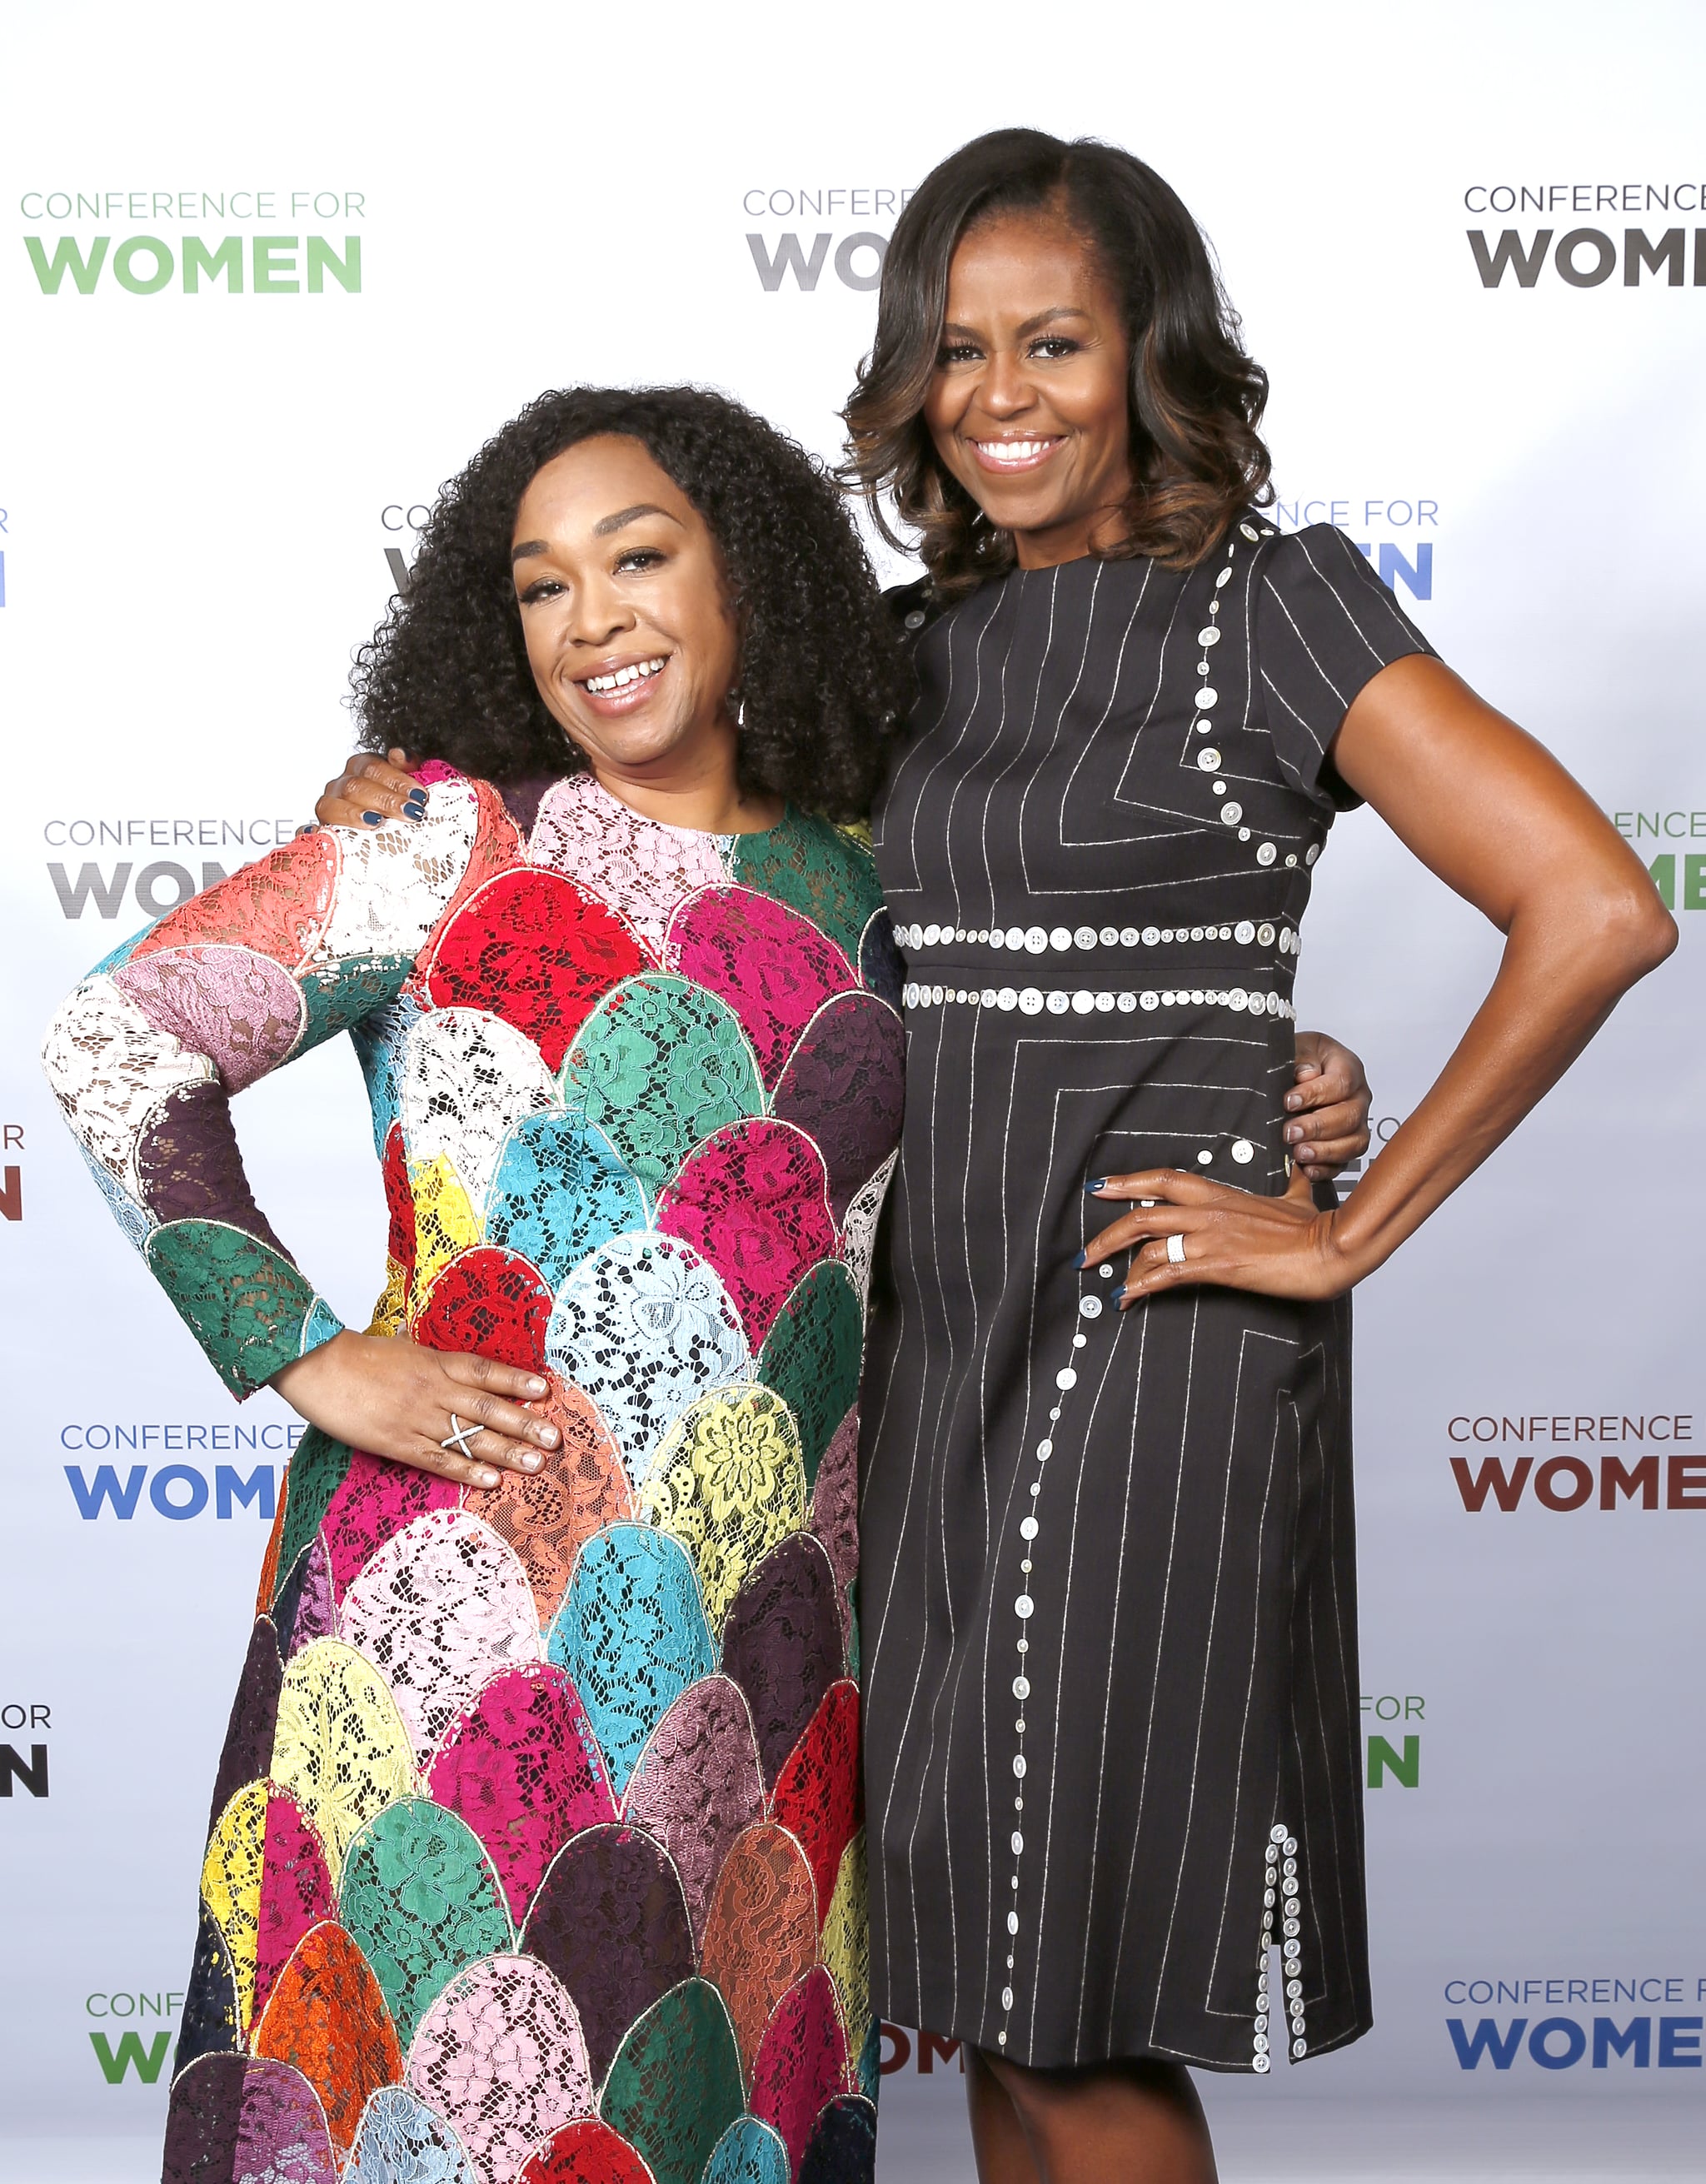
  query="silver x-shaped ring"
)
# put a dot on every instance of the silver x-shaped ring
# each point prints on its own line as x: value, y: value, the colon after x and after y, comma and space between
x: 459, y: 1435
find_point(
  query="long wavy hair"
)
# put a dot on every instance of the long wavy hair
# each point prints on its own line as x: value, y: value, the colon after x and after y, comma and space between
x: 1196, y: 398
x: 820, y: 682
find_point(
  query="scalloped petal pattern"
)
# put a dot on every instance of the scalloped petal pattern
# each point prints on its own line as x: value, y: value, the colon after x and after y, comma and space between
x: 642, y: 1328
x: 442, y: 1608
x: 499, y: 2055
x: 523, y: 1768
x: 751, y: 1202
x: 698, y: 1785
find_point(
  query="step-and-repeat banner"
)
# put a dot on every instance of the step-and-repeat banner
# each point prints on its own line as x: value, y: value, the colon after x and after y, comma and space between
x: 270, y: 276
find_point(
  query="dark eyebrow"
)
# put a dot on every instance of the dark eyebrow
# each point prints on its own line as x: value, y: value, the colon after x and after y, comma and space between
x: 605, y: 524
x: 601, y: 529
x: 1030, y: 326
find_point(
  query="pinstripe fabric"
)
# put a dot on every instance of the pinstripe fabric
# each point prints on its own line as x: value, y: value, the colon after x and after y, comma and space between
x: 1097, y: 845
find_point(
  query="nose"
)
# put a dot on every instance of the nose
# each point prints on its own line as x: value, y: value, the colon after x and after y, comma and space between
x: 1005, y: 389
x: 597, y: 613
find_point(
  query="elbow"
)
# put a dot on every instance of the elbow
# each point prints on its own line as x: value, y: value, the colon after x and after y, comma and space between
x: 1634, y: 933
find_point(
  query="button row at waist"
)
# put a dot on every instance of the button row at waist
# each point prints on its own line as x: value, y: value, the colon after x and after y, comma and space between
x: 1087, y: 1000
x: 1037, y: 939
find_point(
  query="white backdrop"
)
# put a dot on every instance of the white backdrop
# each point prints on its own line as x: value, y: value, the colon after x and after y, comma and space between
x: 206, y: 495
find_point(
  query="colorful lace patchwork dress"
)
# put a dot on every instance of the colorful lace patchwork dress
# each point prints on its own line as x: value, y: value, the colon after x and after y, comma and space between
x: 536, y: 1848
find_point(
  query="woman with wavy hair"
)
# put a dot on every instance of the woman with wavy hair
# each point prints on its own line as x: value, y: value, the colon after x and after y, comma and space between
x: 535, y: 1852
x: 1112, y: 1709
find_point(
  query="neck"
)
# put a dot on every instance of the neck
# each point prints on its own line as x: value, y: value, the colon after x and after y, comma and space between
x: 700, y: 790
x: 1072, y: 540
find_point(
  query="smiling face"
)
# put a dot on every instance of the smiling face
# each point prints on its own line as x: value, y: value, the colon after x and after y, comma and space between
x: 630, y: 633
x: 1027, y: 404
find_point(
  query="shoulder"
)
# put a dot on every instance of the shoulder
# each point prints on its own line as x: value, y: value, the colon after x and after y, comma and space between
x: 845, y: 850
x: 1318, y: 586
x: 913, y: 607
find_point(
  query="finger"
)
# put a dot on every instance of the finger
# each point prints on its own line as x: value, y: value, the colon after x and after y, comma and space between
x: 488, y: 1402
x: 489, y: 1447
x: 1332, y: 1153
x: 1171, y: 1186
x: 497, y: 1430
x: 1345, y: 1119
x: 426, y: 1455
x: 387, y: 788
x: 1152, y: 1272
x: 1138, y: 1228
x: 418, y: 1452
x: 1301, y: 1184
x: 1329, y: 1087
x: 1314, y: 1150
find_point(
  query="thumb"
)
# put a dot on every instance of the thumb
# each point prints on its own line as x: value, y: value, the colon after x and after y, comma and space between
x: 1300, y: 1187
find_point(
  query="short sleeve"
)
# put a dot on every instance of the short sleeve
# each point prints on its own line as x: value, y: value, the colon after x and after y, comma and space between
x: 1324, y: 626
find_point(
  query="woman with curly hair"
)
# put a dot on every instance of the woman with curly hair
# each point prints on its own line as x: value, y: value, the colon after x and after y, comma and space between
x: 535, y: 1850
x: 1111, y: 1690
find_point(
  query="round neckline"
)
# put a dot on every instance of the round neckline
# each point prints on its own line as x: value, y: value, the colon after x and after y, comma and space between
x: 669, y: 826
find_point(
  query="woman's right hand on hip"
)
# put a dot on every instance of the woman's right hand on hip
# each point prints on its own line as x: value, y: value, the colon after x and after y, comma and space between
x: 389, y: 1396
x: 371, y: 790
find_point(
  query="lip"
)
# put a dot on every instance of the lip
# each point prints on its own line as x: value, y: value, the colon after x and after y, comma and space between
x: 611, y: 704
x: 1042, y: 447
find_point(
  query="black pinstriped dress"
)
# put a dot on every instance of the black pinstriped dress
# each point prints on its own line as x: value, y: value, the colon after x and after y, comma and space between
x: 1109, y: 1594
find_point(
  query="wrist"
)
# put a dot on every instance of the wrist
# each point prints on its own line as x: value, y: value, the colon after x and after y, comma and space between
x: 1351, y: 1258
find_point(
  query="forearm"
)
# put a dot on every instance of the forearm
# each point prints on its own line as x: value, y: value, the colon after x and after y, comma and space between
x: 1564, y: 970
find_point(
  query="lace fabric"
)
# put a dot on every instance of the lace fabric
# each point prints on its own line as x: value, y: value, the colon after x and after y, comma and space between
x: 500, y: 2057
x: 326, y: 2018
x: 611, y: 1921
x: 698, y: 1785
x: 762, y: 1932
x: 523, y: 1768
x: 675, y: 2086
x: 659, y: 1066
x: 535, y: 1849
x: 421, y: 1898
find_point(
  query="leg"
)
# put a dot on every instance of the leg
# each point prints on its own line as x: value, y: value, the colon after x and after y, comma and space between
x: 1113, y: 2123
x: 1003, y: 2152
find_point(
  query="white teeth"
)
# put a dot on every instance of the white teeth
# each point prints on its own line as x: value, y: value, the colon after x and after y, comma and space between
x: 1013, y: 451
x: 624, y: 676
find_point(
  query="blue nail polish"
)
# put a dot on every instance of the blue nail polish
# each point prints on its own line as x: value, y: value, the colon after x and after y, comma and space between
x: 414, y: 804
x: 371, y: 819
x: 1096, y: 1183
x: 1081, y: 1258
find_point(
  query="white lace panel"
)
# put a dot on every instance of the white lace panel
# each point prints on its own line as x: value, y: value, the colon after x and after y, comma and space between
x: 393, y: 881
x: 858, y: 1229
x: 467, y: 1079
x: 109, y: 1069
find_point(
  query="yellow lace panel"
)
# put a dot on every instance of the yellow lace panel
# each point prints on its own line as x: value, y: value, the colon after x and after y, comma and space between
x: 847, y: 1943
x: 340, y: 1748
x: 729, y: 1482
x: 445, y: 1223
x: 388, y: 1313
x: 230, y: 1883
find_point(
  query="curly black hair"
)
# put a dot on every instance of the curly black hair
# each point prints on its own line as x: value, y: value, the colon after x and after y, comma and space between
x: 821, y: 682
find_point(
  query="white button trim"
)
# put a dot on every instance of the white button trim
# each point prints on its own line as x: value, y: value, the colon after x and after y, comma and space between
x: 1086, y: 938
x: 1281, y: 1844
x: 1086, y: 1000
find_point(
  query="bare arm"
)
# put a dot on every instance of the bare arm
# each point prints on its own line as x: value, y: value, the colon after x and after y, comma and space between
x: 1494, y: 815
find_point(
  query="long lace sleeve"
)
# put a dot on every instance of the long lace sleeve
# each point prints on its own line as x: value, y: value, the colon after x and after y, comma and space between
x: 146, y: 1053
